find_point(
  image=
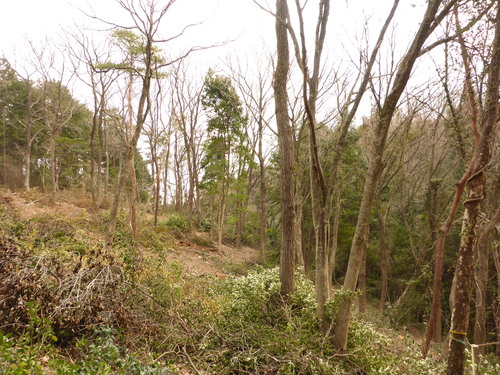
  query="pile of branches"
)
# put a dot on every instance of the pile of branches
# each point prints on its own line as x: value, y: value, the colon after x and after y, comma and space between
x: 75, y: 295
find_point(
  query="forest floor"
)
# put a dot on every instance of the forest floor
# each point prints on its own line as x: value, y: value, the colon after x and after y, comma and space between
x: 182, y: 304
x: 195, y: 259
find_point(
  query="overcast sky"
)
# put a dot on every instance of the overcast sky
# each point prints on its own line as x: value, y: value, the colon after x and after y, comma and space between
x: 239, y: 20
x: 222, y: 20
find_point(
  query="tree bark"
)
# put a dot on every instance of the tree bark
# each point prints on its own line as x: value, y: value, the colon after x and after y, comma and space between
x: 384, y: 256
x: 262, y: 198
x: 53, y: 170
x: 362, y: 283
x: 133, y: 196
x: 480, y: 303
x: 335, y: 232
x: 285, y: 140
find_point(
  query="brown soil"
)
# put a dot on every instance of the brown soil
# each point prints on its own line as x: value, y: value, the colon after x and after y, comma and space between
x: 201, y: 261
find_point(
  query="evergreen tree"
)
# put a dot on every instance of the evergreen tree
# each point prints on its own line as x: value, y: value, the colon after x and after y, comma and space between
x: 226, y: 152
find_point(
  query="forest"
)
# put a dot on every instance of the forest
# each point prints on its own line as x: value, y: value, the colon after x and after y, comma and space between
x: 321, y: 207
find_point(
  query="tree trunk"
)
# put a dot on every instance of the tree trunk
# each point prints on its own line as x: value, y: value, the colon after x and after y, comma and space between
x: 475, y: 184
x: 335, y: 233
x: 220, y: 219
x: 262, y: 198
x: 100, y: 153
x: 94, y: 206
x: 285, y: 140
x: 133, y: 196
x: 496, y: 302
x: 244, y: 208
x: 481, y: 284
x: 464, y: 271
x: 29, y: 139
x: 157, y: 191
x: 299, y: 255
x: 362, y: 284
x: 27, y: 165
x: 307, y: 250
x: 106, y: 152
x: 108, y: 242
x: 53, y: 170
x: 384, y: 256
x: 375, y: 169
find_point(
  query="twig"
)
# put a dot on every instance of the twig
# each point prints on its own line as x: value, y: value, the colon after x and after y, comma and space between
x: 190, y: 360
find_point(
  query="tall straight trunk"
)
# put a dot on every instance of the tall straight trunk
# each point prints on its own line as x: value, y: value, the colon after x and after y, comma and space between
x: 106, y: 152
x: 92, y: 154
x: 375, y: 169
x: 53, y: 169
x: 482, y: 155
x: 192, y: 182
x: 157, y: 191
x: 299, y: 255
x: 29, y: 137
x: 165, y: 185
x: 335, y: 232
x: 262, y: 198
x: 130, y: 161
x: 190, y: 164
x: 220, y: 218
x: 362, y: 283
x: 465, y: 274
x: 307, y: 250
x: 285, y: 140
x: 320, y: 195
x: 321, y: 192
x: 240, y: 228
x: 132, y: 196
x: 384, y: 256
x: 27, y: 165
x: 120, y: 182
x: 482, y: 272
x: 100, y: 152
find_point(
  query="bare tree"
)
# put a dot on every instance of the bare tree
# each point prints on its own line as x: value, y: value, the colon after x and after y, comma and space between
x: 255, y: 88
x: 186, y: 95
x: 99, y: 79
x: 146, y: 20
x: 321, y: 187
x: 33, y: 114
x: 285, y: 140
x: 58, y: 106
x: 429, y: 22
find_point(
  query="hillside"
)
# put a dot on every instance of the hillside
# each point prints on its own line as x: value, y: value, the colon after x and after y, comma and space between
x: 169, y: 303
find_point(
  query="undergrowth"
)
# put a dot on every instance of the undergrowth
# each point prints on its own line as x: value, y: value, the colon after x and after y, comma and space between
x: 65, y: 308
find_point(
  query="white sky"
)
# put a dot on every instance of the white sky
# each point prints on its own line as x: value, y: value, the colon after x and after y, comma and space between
x: 224, y: 19
x: 22, y: 20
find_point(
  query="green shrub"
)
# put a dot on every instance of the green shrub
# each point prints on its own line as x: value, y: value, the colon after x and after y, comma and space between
x: 175, y: 221
x: 207, y: 224
x: 104, y: 356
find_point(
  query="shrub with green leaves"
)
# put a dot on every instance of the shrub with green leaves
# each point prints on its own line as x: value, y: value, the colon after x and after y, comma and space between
x: 103, y: 355
x: 175, y: 221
